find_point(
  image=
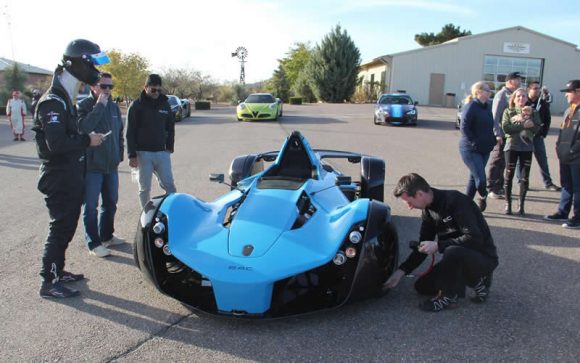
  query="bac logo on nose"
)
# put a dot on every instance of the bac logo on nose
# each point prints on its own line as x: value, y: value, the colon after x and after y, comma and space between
x: 248, y: 249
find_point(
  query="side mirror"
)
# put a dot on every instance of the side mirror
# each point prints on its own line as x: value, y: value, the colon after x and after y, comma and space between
x: 216, y: 178
x: 416, y: 103
x: 343, y: 180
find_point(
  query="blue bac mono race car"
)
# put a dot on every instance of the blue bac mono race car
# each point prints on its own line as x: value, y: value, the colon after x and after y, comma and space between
x: 290, y: 238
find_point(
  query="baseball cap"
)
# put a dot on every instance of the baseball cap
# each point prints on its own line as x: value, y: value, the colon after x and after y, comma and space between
x: 153, y: 80
x: 513, y: 75
x: 571, y: 86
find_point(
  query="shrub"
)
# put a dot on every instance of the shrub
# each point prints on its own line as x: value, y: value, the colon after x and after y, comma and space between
x: 295, y: 100
x: 2, y: 110
x: 202, y: 105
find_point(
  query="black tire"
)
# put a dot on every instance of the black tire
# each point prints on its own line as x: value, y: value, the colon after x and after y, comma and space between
x: 372, y: 178
x: 375, y: 120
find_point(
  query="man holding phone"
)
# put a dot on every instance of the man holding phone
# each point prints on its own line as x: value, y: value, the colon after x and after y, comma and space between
x: 452, y: 225
x: 98, y: 113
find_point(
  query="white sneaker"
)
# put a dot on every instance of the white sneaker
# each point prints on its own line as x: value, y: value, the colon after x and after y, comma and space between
x: 100, y: 251
x: 114, y: 241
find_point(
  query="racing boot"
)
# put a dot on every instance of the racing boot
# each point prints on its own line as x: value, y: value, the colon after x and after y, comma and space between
x: 508, y: 199
x: 523, y: 192
x: 439, y: 303
x: 66, y: 276
x: 482, y: 289
x: 56, y: 290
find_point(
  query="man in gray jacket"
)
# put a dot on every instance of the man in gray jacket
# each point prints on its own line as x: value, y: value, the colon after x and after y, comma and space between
x: 98, y: 113
x: 495, y: 180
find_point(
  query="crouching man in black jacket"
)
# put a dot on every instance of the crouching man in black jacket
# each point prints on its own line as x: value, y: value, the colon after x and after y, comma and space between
x: 453, y: 226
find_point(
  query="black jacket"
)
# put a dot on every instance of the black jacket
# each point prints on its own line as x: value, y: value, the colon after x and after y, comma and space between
x: 59, y: 144
x: 568, y: 143
x: 543, y: 109
x: 150, y: 125
x: 455, y: 220
x: 106, y: 157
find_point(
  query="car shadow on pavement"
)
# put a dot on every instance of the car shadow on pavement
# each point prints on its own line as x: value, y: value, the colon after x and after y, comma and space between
x: 19, y: 162
x: 437, y: 125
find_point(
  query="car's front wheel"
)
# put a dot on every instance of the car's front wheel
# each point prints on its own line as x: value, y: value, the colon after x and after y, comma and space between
x: 375, y: 121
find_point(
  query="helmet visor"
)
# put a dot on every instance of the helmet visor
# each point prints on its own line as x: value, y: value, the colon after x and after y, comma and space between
x: 99, y: 58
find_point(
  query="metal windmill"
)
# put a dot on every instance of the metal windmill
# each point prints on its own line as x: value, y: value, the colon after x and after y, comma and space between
x: 241, y: 53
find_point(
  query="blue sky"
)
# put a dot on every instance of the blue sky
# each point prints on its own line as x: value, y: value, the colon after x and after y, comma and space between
x: 202, y: 35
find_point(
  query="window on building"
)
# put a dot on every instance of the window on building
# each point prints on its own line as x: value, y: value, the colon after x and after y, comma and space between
x: 496, y: 68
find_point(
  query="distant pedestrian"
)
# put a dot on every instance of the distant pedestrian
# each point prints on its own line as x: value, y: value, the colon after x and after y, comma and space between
x: 495, y: 180
x: 568, y: 150
x: 98, y: 113
x: 477, y: 139
x: 150, y: 138
x: 16, y: 112
x: 520, y: 124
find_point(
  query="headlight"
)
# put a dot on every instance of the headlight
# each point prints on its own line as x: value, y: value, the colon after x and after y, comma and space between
x: 241, y: 106
x: 339, y: 258
x: 273, y: 106
x: 355, y: 237
x: 159, y: 228
x: 412, y: 112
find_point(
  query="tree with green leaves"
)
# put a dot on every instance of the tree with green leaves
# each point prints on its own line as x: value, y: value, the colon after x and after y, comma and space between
x: 302, y: 86
x: 14, y: 79
x: 279, y: 83
x: 448, y: 32
x: 295, y: 61
x: 129, y: 73
x: 334, y: 67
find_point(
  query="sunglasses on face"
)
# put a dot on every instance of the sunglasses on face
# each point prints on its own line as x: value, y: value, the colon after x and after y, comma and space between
x: 154, y: 89
x: 105, y: 86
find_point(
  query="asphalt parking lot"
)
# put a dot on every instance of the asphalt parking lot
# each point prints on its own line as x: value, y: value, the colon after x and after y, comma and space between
x: 532, y: 315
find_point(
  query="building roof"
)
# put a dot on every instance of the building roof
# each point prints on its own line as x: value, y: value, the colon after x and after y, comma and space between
x: 467, y: 37
x: 5, y: 63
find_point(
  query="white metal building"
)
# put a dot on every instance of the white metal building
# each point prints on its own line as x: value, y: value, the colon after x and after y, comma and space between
x: 442, y: 75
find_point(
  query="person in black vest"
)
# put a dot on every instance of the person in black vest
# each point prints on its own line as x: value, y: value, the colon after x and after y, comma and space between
x: 62, y: 148
x: 454, y: 226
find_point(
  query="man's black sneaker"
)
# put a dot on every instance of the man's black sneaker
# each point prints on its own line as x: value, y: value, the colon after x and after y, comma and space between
x: 482, y: 203
x: 70, y: 277
x: 57, y: 290
x: 553, y: 187
x: 556, y: 217
x: 572, y: 224
x: 482, y: 289
x: 439, y: 303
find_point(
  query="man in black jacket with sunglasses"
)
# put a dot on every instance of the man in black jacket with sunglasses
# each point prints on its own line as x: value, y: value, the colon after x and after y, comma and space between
x: 150, y: 138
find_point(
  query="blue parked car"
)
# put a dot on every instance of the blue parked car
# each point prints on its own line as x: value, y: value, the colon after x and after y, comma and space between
x: 396, y: 109
x: 290, y: 237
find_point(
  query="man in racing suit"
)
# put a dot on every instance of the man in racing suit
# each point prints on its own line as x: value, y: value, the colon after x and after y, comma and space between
x: 454, y: 226
x: 61, y: 149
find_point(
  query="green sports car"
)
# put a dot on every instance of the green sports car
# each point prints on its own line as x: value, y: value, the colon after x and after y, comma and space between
x: 259, y: 106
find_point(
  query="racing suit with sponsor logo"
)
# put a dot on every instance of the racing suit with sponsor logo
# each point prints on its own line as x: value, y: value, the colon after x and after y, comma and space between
x: 464, y: 240
x: 61, y: 149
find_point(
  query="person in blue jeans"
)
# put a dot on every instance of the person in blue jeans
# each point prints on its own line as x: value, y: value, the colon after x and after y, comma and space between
x: 568, y: 150
x: 98, y: 113
x: 150, y: 138
x: 477, y: 139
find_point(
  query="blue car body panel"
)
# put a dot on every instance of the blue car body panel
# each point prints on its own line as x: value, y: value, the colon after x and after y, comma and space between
x: 255, y: 246
x: 199, y: 239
